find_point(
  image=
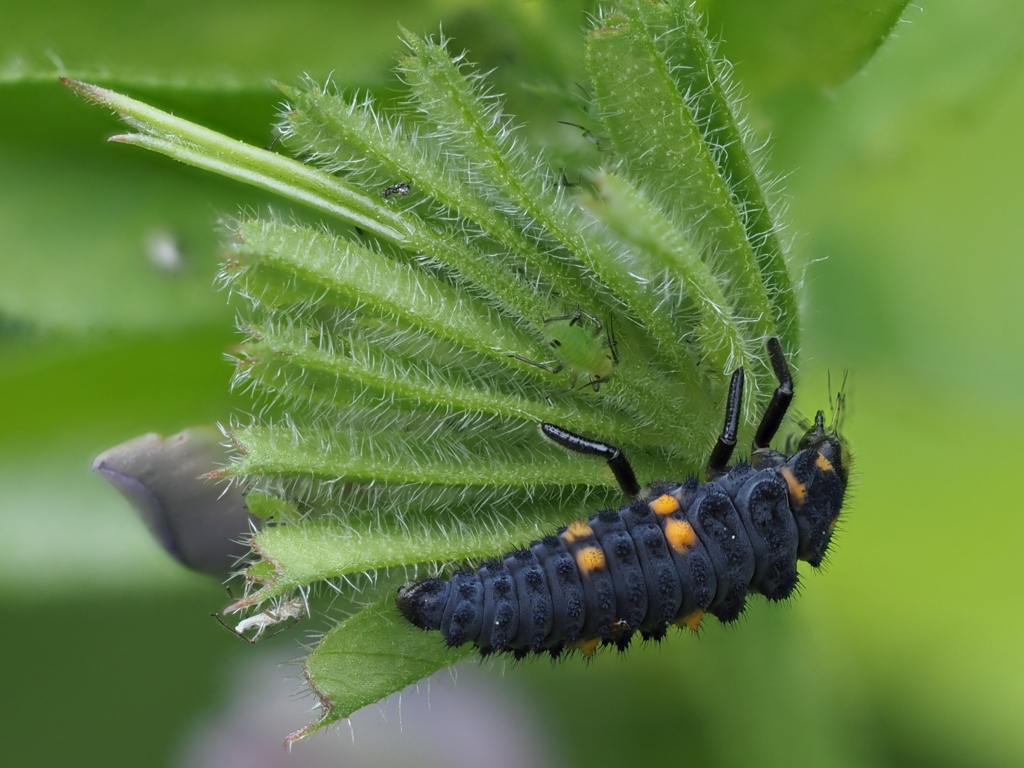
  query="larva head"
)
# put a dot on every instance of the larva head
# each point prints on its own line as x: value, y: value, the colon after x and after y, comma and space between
x: 830, y: 444
x: 817, y: 475
x: 423, y: 602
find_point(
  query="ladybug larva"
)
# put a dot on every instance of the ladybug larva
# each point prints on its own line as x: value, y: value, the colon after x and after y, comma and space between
x: 678, y: 550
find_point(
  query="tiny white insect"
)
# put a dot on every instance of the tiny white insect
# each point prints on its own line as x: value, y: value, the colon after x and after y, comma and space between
x: 164, y: 251
x: 293, y: 608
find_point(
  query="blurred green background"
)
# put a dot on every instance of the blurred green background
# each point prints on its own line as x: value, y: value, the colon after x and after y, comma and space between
x: 904, y: 185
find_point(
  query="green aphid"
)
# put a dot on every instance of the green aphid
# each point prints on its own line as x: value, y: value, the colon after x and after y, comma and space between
x: 584, y: 352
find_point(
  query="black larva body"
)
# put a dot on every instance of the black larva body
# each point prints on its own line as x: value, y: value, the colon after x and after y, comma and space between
x: 679, y: 551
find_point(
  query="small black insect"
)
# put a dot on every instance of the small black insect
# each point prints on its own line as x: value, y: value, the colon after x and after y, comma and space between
x: 401, y: 188
x: 671, y: 555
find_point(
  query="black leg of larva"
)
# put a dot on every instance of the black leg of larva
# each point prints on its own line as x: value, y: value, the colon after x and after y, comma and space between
x: 720, y: 456
x: 617, y: 461
x: 783, y: 396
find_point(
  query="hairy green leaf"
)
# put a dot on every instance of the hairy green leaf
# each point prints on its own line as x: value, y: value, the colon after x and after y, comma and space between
x: 405, y: 534
x: 371, y: 654
x: 661, y: 137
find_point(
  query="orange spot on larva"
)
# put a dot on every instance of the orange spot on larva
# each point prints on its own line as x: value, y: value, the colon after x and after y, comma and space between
x: 797, y: 490
x: 588, y: 647
x: 691, y: 621
x: 824, y: 464
x: 590, y: 559
x: 664, y: 505
x: 680, y: 535
x: 578, y: 529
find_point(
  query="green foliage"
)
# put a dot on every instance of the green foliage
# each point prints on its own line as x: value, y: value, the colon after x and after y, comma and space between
x: 789, y: 44
x: 398, y: 345
x: 908, y: 220
x: 369, y: 656
x: 670, y: 116
x: 396, y: 342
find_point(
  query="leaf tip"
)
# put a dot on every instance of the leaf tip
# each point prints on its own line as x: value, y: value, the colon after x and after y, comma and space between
x: 327, y: 715
x: 91, y: 92
x: 286, y: 89
x: 74, y: 85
